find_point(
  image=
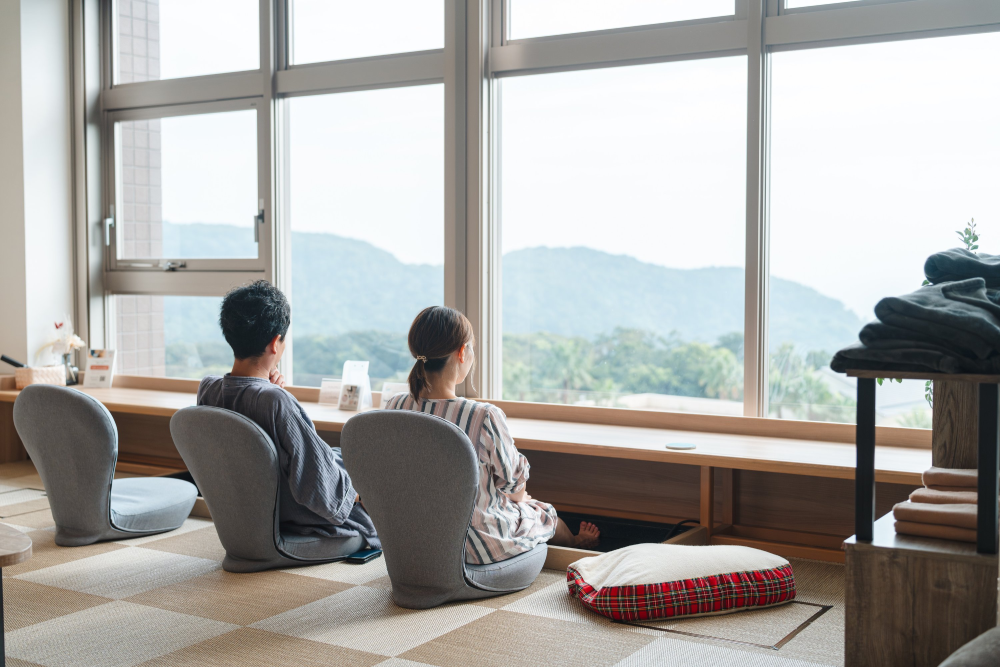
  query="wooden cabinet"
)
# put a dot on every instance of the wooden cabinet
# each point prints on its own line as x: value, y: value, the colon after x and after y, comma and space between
x: 913, y: 601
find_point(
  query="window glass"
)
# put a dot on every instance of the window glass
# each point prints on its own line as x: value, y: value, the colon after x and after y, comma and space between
x: 179, y: 38
x: 187, y: 186
x: 793, y: 4
x: 880, y: 153
x: 171, y: 336
x: 538, y: 18
x: 623, y: 236
x: 341, y: 29
x: 367, y: 226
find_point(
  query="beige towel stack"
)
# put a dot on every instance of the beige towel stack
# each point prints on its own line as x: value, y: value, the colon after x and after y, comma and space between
x: 945, y: 508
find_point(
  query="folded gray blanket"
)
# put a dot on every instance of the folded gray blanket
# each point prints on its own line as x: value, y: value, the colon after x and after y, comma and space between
x: 907, y: 359
x: 959, y: 264
x: 961, y: 312
x: 878, y: 335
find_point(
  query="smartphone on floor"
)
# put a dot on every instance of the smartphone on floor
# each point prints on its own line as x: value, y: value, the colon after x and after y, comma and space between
x: 364, y: 556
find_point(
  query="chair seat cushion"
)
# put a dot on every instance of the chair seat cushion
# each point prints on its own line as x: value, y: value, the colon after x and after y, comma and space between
x: 150, y: 504
x: 651, y: 581
x: 319, y: 547
x: 513, y: 574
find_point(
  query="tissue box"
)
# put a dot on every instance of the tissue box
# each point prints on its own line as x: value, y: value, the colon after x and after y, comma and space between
x: 40, y: 375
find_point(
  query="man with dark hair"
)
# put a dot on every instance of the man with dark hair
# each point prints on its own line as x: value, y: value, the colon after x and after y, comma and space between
x: 316, y: 495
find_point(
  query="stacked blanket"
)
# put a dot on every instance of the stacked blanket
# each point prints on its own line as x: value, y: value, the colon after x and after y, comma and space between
x: 945, y: 508
x: 949, y: 326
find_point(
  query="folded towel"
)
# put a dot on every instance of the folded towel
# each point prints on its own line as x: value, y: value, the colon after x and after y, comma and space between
x: 932, y: 530
x: 958, y: 311
x: 935, y: 487
x: 958, y: 516
x: 959, y: 264
x: 925, y: 495
x: 909, y: 359
x: 961, y: 479
x: 878, y: 335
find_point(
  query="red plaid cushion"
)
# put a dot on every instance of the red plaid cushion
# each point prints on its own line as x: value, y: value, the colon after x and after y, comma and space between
x: 712, y: 594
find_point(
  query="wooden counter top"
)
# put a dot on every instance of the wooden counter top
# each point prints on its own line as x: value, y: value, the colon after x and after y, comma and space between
x: 899, y: 465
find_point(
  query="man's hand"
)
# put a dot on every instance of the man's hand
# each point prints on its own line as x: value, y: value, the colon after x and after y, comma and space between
x: 277, y: 378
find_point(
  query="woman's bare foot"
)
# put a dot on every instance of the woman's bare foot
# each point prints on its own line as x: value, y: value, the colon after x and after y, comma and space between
x: 588, y: 537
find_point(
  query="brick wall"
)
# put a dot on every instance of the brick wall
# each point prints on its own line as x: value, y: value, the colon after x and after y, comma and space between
x: 139, y: 327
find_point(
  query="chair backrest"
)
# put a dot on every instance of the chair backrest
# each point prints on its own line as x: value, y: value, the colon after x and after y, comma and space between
x: 73, y: 442
x: 417, y: 476
x: 235, y: 465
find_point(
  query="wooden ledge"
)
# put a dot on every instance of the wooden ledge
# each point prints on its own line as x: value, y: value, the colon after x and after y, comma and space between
x: 886, y: 538
x: 909, y: 375
x: 796, y: 456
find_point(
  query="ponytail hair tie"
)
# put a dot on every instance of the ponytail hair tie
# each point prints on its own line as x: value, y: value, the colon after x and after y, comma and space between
x: 421, y: 358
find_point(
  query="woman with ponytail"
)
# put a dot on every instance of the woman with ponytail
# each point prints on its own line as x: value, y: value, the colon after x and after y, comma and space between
x: 506, y: 520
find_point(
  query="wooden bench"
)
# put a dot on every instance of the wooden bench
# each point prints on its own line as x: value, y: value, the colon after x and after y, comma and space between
x: 613, y: 469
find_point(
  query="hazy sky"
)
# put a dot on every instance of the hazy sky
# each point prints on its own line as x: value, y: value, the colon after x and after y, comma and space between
x: 537, y: 18
x: 646, y: 161
x: 341, y: 29
x: 879, y: 151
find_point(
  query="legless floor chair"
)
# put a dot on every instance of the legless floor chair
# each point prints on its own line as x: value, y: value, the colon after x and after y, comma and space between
x: 73, y: 442
x: 235, y: 464
x: 418, y: 476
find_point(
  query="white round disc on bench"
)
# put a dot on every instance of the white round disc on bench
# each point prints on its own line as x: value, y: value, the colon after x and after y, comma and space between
x: 646, y: 582
x: 681, y: 445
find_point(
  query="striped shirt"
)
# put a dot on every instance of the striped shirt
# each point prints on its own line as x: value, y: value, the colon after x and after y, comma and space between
x: 500, y: 528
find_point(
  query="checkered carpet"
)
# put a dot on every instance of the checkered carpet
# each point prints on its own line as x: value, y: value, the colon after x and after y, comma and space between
x: 165, y: 601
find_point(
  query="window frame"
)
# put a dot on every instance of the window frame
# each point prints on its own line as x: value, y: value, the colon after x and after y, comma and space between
x: 179, y: 97
x: 477, y: 56
x: 119, y: 265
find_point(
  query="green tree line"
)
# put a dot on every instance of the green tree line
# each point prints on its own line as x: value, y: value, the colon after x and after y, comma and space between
x: 571, y: 369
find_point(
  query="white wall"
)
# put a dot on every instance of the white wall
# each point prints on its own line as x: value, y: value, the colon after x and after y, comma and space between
x: 36, y: 225
x: 13, y: 304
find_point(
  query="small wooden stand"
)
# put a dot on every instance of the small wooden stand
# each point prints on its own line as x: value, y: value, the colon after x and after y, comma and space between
x: 912, y: 600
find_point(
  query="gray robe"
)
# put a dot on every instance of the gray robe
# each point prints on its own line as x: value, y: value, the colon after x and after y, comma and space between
x: 315, y: 492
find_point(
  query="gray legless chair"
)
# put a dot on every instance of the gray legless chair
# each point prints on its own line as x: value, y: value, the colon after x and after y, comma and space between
x: 73, y: 442
x: 418, y: 477
x: 235, y: 464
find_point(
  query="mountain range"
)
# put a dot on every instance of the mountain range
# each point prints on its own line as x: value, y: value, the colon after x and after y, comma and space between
x: 341, y: 285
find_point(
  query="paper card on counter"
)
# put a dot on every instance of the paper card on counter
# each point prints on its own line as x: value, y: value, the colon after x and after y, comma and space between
x: 99, y: 369
x: 350, y: 397
x: 329, y: 392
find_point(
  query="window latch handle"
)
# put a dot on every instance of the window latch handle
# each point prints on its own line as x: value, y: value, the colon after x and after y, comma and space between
x: 173, y: 266
x: 109, y: 222
x: 258, y: 220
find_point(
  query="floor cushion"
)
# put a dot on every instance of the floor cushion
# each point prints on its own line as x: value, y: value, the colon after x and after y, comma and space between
x: 652, y: 581
x: 151, y: 504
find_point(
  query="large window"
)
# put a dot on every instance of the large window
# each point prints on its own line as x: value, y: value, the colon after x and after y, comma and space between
x: 880, y: 153
x: 623, y: 225
x: 366, y: 174
x: 674, y: 205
